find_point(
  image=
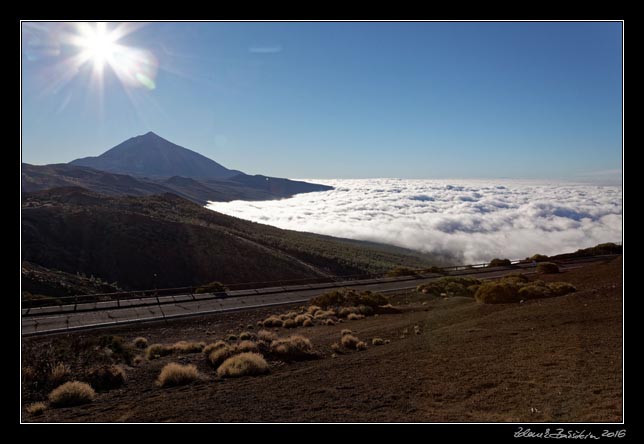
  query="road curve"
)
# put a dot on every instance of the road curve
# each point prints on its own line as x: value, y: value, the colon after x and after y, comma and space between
x: 68, y: 318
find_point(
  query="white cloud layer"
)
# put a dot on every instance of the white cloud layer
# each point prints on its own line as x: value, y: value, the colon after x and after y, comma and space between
x: 474, y: 221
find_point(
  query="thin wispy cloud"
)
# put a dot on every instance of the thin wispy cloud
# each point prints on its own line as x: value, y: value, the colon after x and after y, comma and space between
x: 472, y: 221
x: 269, y: 49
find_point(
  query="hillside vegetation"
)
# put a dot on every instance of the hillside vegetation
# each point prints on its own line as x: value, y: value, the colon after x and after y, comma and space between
x: 131, y: 239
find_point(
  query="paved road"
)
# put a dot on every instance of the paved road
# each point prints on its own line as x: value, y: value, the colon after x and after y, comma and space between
x: 59, y: 319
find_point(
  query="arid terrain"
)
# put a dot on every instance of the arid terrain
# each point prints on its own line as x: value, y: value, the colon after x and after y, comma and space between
x: 448, y: 360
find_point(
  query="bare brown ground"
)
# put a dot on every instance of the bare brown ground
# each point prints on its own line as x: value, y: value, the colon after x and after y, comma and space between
x: 556, y: 359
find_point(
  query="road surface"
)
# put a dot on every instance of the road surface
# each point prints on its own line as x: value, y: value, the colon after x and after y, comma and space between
x: 67, y: 318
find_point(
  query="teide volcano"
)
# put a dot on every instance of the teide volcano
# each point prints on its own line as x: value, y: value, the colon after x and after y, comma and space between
x: 153, y: 156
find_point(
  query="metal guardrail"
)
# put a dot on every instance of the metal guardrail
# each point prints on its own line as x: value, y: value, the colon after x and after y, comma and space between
x: 279, y: 284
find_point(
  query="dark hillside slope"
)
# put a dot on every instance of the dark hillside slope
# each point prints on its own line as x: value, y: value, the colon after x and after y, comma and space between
x: 130, y: 239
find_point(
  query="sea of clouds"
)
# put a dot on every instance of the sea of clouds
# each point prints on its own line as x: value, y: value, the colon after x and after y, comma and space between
x: 471, y: 221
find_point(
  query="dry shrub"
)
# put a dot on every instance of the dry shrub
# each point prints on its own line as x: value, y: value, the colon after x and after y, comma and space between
x: 212, y: 347
x: 106, y: 377
x: 29, y: 375
x: 137, y: 360
x: 188, y: 347
x: 324, y: 314
x: 307, y: 323
x: 497, y: 293
x: 547, y: 268
x: 260, y: 323
x: 266, y: 336
x: 387, y: 341
x: 37, y: 408
x: 312, y: 309
x: 174, y: 374
x: 72, y: 393
x: 416, y: 329
x: 246, y: 346
x: 335, y: 347
x: 289, y: 323
x: 377, y: 341
x: 244, y: 364
x: 218, y: 356
x: 232, y: 337
x: 361, y: 345
x: 273, y: 321
x: 140, y: 342
x: 155, y: 351
x: 349, y: 341
x: 329, y: 322
x: 346, y: 331
x: 245, y: 336
x: 59, y: 373
x: 355, y: 317
x: 301, y: 319
x: 293, y: 348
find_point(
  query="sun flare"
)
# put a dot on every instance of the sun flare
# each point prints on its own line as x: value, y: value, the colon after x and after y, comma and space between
x: 99, y: 45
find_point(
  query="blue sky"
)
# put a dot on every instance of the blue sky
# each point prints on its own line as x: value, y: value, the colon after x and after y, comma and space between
x: 344, y: 100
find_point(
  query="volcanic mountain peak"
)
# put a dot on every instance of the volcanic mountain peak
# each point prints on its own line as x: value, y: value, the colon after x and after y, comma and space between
x: 151, y: 155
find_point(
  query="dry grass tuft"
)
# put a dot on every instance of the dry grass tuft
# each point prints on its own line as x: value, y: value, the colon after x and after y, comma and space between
x: 266, y: 336
x: 329, y: 322
x: 312, y: 309
x: 246, y: 346
x: 37, y: 408
x: 335, y: 347
x: 106, y: 377
x: 212, y: 347
x: 218, y: 356
x: 273, y: 321
x: 307, y: 323
x: 361, y: 345
x: 188, y: 347
x: 349, y: 341
x: 244, y: 336
x: 244, y: 364
x: 140, y: 342
x: 289, y: 323
x: 155, y: 351
x: 293, y: 348
x: 174, y: 374
x: 59, y: 373
x: 346, y: 331
x: 355, y: 317
x: 71, y: 394
x: 377, y: 341
x: 324, y: 314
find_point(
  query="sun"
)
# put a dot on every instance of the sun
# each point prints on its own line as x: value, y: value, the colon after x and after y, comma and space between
x: 99, y: 45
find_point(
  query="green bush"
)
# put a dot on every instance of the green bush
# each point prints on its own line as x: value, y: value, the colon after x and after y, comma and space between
x: 547, y: 268
x: 451, y: 286
x: 561, y: 288
x: 496, y: 262
x: 348, y: 298
x: 497, y: 293
x: 535, y: 292
x: 212, y: 287
x: 539, y: 258
x: 402, y: 271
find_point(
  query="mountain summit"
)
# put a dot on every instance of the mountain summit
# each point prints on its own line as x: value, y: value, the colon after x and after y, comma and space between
x: 153, y: 156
